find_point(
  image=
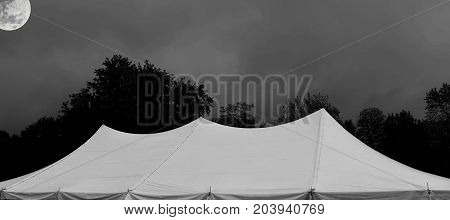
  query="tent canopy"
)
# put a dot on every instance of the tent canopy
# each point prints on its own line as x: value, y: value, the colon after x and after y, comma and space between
x: 311, y: 158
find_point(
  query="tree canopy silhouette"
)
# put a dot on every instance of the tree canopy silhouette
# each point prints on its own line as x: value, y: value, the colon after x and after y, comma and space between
x: 238, y: 115
x: 438, y: 104
x: 350, y: 126
x: 297, y: 108
x: 370, y: 127
x: 404, y: 139
x: 437, y: 124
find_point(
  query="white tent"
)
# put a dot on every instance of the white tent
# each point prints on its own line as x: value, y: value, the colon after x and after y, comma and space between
x: 312, y: 158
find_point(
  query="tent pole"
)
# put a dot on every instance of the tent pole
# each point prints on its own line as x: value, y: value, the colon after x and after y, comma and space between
x: 311, y: 194
x: 428, y: 191
x: 209, y: 194
x: 127, y: 195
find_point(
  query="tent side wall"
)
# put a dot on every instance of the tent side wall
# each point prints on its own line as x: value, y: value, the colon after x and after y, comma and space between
x: 382, y: 195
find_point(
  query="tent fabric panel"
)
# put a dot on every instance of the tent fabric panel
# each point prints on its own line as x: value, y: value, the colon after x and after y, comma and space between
x: 352, y: 175
x: 82, y: 155
x: 97, y: 169
x: 252, y: 159
x: 440, y: 195
x: 62, y: 196
x: 91, y: 196
x: 168, y: 192
x: 30, y: 195
x: 383, y: 195
x: 187, y: 196
x: 377, y: 171
x: 263, y: 196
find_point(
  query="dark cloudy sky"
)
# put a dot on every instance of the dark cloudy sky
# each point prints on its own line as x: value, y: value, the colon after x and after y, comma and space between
x: 40, y: 64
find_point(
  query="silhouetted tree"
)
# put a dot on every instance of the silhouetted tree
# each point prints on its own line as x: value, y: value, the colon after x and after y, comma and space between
x: 297, y: 108
x: 404, y: 139
x: 111, y: 98
x: 438, y: 104
x: 437, y: 125
x: 15, y: 153
x: 437, y: 112
x: 350, y: 127
x: 370, y: 127
x: 4, y: 137
x: 237, y: 115
x: 45, y: 136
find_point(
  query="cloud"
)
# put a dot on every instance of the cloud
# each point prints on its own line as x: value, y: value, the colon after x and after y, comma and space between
x: 42, y: 64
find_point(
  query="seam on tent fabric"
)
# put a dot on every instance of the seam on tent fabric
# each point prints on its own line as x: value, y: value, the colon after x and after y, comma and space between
x: 415, y: 185
x: 170, y: 156
x: 318, y: 151
x: 367, y: 164
x: 89, y: 161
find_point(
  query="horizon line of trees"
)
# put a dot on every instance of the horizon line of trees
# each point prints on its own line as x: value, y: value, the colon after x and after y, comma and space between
x: 111, y: 97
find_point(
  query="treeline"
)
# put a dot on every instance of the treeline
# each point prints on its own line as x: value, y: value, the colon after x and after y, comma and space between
x: 111, y: 97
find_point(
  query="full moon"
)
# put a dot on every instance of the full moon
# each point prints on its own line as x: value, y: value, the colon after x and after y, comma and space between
x: 14, y: 14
